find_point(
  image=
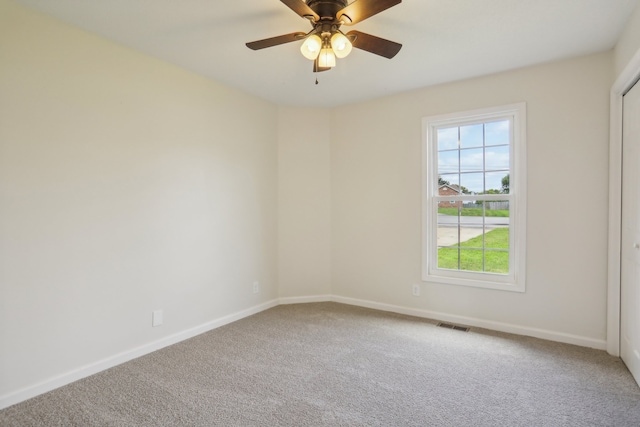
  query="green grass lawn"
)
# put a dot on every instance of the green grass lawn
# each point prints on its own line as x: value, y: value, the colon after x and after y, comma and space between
x: 473, y: 212
x: 496, y: 253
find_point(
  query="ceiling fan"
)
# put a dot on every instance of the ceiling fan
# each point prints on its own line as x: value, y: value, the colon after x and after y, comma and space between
x: 325, y: 41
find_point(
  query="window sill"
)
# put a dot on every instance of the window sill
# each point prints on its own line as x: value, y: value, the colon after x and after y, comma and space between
x: 483, y: 284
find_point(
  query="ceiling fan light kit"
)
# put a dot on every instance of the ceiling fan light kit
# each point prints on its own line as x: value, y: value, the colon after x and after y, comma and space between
x: 325, y: 42
x: 327, y: 58
x: 311, y: 47
x: 341, y: 45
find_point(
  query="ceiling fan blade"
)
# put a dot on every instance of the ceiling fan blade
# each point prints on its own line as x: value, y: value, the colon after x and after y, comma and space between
x: 360, y: 10
x: 301, y: 8
x: 373, y: 44
x: 275, y: 41
x: 317, y: 68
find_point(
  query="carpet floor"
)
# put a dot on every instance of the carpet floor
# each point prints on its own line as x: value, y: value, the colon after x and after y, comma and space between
x: 328, y: 364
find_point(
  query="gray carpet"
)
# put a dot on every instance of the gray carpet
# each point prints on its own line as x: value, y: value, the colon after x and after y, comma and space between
x: 329, y: 364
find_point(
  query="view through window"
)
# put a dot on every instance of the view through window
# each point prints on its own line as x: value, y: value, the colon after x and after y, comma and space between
x: 473, y: 218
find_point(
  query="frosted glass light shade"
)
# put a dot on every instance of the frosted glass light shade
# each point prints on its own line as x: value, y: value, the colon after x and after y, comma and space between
x: 311, y: 47
x: 341, y: 45
x: 327, y: 58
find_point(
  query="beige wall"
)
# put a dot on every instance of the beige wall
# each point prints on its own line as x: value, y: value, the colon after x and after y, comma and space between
x: 304, y: 202
x: 376, y: 198
x: 127, y: 185
x: 629, y: 42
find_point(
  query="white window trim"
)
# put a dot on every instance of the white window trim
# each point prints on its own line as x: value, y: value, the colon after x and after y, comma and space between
x: 515, y: 280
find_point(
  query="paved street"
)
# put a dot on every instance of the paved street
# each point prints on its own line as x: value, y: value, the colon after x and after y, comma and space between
x: 472, y: 221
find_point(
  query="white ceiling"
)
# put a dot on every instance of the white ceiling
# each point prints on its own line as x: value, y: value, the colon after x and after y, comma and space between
x: 443, y: 40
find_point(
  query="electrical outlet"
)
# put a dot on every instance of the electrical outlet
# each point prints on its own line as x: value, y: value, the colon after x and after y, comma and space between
x: 256, y: 287
x: 156, y: 318
x: 416, y: 290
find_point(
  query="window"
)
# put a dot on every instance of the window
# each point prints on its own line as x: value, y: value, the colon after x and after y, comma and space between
x: 474, y: 202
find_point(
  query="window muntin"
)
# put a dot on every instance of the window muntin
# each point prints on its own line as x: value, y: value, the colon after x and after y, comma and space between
x: 474, y: 215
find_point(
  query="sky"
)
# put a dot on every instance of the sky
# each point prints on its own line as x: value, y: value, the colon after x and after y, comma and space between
x: 475, y: 156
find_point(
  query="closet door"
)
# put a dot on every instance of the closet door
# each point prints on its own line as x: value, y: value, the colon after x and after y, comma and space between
x: 630, y: 239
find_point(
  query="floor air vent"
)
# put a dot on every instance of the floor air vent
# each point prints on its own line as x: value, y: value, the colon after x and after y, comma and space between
x: 454, y: 327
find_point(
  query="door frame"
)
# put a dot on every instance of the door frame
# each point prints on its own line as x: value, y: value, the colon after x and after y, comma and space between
x: 625, y: 81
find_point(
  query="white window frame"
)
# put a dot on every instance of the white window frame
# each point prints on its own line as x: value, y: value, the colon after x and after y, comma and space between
x: 515, y: 279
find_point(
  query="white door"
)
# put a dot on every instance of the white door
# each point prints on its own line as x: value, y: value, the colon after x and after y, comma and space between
x: 630, y: 239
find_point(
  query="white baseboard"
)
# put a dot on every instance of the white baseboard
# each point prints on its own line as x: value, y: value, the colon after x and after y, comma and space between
x: 93, y: 368
x: 304, y: 300
x: 479, y: 323
x: 101, y: 365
